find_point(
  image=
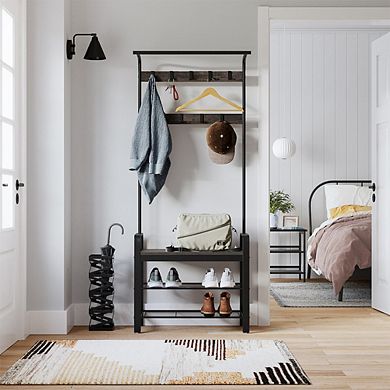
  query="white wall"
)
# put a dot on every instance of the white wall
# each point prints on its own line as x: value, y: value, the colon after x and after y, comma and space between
x: 48, y: 174
x: 104, y: 110
x: 320, y: 98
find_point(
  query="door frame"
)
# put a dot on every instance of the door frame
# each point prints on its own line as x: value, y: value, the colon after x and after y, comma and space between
x: 377, y: 15
x: 24, y: 331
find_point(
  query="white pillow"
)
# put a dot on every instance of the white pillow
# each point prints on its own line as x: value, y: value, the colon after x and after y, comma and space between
x: 343, y: 194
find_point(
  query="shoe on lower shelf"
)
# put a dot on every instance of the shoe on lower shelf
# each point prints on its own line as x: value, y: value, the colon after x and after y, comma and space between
x: 210, y: 279
x: 173, y: 279
x: 227, y: 279
x: 208, y: 309
x: 224, y: 308
x: 155, y: 280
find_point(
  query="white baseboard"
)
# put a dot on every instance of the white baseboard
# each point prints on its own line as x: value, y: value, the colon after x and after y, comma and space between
x: 124, y: 316
x: 50, y: 321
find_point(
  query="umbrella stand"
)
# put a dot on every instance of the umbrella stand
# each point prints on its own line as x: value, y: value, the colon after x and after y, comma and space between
x: 101, y: 287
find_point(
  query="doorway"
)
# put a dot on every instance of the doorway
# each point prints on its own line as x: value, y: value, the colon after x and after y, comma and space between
x: 319, y: 47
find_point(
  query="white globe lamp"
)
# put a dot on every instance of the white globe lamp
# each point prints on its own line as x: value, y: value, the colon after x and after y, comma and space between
x: 283, y: 148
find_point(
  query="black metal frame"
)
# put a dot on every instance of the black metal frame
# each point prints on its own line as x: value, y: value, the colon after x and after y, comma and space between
x: 299, y: 249
x: 361, y: 182
x: 141, y: 255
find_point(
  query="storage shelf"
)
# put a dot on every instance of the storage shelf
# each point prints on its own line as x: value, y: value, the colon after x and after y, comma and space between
x: 192, y: 286
x: 214, y: 76
x: 185, y: 314
x: 199, y: 119
x: 162, y: 255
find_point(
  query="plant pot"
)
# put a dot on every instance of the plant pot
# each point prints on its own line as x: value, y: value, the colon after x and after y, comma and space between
x: 273, y: 221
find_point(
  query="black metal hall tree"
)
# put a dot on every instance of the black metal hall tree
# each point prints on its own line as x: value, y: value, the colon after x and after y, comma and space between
x: 240, y: 255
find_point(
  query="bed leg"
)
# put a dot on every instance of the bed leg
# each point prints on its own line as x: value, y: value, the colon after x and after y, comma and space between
x: 308, y: 272
x: 341, y: 294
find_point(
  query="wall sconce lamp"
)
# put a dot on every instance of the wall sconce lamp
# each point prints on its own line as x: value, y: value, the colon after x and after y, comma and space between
x: 94, y: 51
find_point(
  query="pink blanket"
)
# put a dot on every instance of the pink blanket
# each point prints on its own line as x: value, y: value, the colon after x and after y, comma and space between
x: 338, y: 246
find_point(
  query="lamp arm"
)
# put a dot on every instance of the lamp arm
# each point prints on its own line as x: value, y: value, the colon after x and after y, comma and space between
x: 82, y: 34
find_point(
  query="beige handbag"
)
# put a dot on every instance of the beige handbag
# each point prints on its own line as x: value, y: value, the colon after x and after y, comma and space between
x: 204, y: 231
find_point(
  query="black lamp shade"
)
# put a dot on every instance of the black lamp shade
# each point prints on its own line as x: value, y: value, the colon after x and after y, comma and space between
x: 94, y: 51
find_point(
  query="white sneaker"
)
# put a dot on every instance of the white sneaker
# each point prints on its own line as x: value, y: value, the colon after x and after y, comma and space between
x: 155, y: 279
x: 227, y: 279
x: 210, y: 279
x: 173, y: 279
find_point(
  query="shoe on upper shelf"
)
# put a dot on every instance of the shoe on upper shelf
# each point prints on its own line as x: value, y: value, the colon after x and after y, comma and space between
x: 155, y: 279
x: 227, y: 279
x: 208, y: 308
x: 224, y: 308
x: 210, y: 279
x: 173, y: 279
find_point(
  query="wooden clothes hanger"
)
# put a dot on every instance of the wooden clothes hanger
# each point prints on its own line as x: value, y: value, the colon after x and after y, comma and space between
x: 209, y: 92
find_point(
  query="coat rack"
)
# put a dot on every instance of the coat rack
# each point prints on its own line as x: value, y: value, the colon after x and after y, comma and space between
x: 240, y: 255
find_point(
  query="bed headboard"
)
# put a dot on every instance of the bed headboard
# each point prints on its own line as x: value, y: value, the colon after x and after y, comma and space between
x: 361, y: 182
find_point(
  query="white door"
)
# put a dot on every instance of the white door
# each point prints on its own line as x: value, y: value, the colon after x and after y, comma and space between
x: 380, y: 70
x: 12, y: 274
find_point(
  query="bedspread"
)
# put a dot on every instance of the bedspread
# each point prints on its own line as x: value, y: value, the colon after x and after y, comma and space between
x: 339, y: 245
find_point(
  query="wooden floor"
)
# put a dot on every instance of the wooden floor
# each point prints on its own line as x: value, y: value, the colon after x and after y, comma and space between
x: 339, y: 348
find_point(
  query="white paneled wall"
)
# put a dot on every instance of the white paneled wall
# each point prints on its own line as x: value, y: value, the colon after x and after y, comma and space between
x: 320, y: 98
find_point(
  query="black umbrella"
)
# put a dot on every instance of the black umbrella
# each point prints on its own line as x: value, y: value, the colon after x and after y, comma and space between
x: 108, y: 250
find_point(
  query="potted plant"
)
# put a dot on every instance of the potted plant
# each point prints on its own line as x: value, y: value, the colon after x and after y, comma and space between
x: 278, y: 201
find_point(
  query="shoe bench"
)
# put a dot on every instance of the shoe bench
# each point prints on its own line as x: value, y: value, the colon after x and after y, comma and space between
x: 142, y: 256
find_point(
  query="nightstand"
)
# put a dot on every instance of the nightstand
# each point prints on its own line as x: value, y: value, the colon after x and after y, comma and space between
x: 300, y: 250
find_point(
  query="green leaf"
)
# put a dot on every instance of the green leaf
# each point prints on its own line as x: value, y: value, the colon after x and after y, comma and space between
x: 280, y: 201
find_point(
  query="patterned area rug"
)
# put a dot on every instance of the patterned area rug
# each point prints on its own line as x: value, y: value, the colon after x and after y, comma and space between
x: 320, y: 294
x: 165, y: 362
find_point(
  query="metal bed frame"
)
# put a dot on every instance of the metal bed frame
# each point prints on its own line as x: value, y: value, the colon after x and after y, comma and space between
x: 361, y: 182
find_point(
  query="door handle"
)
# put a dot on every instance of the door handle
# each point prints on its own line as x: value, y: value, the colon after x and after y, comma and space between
x: 18, y: 184
x: 5, y: 184
x: 373, y: 188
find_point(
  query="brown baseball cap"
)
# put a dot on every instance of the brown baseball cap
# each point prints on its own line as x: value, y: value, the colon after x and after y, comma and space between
x: 221, y: 140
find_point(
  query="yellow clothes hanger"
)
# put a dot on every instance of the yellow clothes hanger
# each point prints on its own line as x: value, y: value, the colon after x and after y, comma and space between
x: 208, y: 92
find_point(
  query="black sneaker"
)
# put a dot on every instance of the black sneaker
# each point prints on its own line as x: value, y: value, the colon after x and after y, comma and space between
x: 155, y: 279
x: 173, y: 279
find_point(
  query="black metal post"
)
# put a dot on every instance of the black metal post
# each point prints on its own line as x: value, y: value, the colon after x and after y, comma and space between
x: 243, y: 129
x: 139, y: 193
x: 138, y: 282
x: 304, y: 257
x: 300, y: 254
x: 245, y: 282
